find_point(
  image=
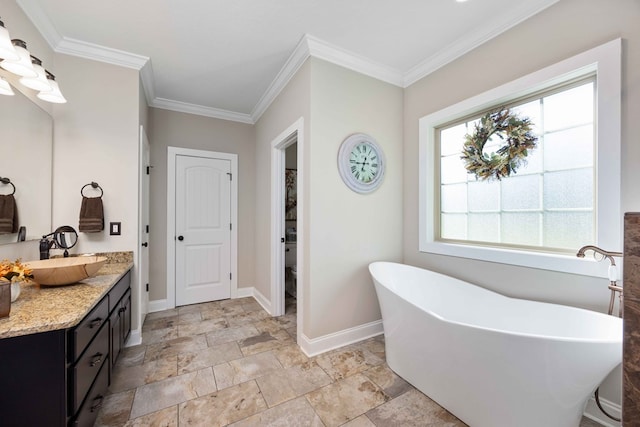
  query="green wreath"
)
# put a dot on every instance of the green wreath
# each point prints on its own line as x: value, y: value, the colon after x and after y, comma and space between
x: 508, y: 158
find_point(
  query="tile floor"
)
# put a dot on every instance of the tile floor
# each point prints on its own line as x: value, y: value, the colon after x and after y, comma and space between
x: 229, y: 363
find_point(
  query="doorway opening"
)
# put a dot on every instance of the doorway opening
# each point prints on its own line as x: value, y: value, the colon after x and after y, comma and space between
x: 287, y: 222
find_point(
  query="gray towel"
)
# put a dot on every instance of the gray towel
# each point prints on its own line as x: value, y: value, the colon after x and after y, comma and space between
x: 91, y: 215
x: 8, y: 214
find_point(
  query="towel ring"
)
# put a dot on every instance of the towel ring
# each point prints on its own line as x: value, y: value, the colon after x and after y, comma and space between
x: 93, y: 185
x: 8, y: 181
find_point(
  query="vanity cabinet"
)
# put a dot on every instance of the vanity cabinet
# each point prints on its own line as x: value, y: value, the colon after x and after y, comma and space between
x: 60, y: 377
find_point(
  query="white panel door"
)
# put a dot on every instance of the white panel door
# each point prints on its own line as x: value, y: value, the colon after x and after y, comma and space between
x: 203, y: 229
x: 143, y: 224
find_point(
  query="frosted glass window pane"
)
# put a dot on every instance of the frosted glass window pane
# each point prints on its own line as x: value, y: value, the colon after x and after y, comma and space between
x: 568, y: 230
x: 451, y: 139
x: 452, y: 170
x: 453, y: 198
x: 569, y: 149
x: 568, y: 189
x: 484, y: 196
x: 532, y: 111
x: 454, y: 226
x: 484, y: 227
x: 533, y: 161
x: 521, y: 192
x: 521, y: 228
x: 569, y: 108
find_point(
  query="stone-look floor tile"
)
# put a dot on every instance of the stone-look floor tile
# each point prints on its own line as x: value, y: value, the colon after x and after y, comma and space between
x: 217, y: 311
x: 245, y: 318
x: 296, y: 412
x: 251, y: 305
x: 293, y: 332
x: 231, y: 334
x: 160, y: 323
x: 185, y: 318
x: 164, y: 418
x: 202, y: 327
x: 132, y: 356
x: 115, y: 409
x: 175, y: 346
x: 347, y: 361
x: 130, y: 377
x: 224, y: 407
x: 361, y: 421
x: 287, y: 384
x: 189, y: 308
x: 264, y: 342
x: 162, y: 394
x: 346, y: 399
x: 155, y: 336
x: 211, y: 356
x: 290, y: 355
x: 412, y: 409
x: 389, y: 381
x: 245, y: 369
x: 160, y: 314
x: 274, y: 324
x: 374, y: 345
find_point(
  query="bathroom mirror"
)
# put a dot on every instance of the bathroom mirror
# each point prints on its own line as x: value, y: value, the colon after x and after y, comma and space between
x: 26, y: 144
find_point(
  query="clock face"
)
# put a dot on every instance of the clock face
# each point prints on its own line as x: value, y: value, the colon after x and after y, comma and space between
x: 361, y: 163
x: 364, y: 162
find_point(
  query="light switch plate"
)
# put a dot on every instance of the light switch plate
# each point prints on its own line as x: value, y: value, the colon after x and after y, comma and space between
x: 114, y: 228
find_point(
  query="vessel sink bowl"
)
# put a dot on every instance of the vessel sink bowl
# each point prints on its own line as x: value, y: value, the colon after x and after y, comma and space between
x: 65, y: 271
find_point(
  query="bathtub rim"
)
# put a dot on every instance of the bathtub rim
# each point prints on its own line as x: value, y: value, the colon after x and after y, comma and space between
x: 440, y: 318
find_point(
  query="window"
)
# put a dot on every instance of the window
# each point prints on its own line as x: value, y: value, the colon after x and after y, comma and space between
x: 549, y: 203
x: 568, y: 194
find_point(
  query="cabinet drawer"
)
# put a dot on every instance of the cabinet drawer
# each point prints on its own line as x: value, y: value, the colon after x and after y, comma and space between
x: 91, y: 406
x: 88, y: 366
x: 116, y: 293
x: 87, y: 329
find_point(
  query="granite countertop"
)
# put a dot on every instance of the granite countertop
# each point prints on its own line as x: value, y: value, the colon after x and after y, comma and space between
x: 49, y: 308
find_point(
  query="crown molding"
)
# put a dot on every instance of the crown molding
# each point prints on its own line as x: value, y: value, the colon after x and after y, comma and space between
x: 100, y: 53
x: 321, y: 49
x: 317, y: 48
x: 216, y: 113
x: 288, y: 70
x: 41, y: 21
x: 471, y: 41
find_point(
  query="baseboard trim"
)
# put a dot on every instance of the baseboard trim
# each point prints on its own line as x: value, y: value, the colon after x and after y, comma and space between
x: 262, y: 300
x: 157, y: 305
x: 594, y: 413
x: 135, y: 338
x: 314, y: 346
x: 244, y: 292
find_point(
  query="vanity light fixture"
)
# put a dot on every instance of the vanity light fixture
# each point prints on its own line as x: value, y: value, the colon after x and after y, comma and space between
x: 23, y: 66
x: 5, y: 87
x: 7, y: 50
x: 54, y: 95
x: 39, y: 83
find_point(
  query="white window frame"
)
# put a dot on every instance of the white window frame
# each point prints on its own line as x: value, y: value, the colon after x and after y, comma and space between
x: 605, y: 61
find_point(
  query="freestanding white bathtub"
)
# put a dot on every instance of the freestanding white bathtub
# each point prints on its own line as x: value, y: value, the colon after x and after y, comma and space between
x: 489, y: 359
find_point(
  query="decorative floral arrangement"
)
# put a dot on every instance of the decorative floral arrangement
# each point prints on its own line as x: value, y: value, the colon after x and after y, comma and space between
x: 516, y: 131
x: 15, y: 271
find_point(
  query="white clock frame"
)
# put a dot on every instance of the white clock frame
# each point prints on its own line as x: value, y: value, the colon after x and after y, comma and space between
x: 344, y: 165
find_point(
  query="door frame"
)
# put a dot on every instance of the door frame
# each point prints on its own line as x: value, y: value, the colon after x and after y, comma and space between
x: 144, y: 159
x: 294, y: 132
x: 172, y: 153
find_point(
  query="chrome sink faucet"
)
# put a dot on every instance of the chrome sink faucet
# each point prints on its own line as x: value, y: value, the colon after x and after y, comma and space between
x: 613, y: 272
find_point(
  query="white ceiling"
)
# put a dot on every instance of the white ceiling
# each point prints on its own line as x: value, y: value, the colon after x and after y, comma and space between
x: 230, y: 58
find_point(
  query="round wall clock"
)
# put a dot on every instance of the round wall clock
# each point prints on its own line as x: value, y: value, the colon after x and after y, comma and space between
x: 361, y: 163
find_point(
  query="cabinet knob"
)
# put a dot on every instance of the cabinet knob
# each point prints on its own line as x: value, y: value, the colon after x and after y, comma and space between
x: 96, y: 360
x: 95, y: 322
x: 145, y: 244
x: 181, y: 238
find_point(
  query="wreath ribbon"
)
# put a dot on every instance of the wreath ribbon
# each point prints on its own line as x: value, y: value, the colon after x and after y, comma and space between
x: 511, y: 128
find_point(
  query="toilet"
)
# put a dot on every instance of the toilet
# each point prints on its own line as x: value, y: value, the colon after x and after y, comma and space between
x: 290, y: 257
